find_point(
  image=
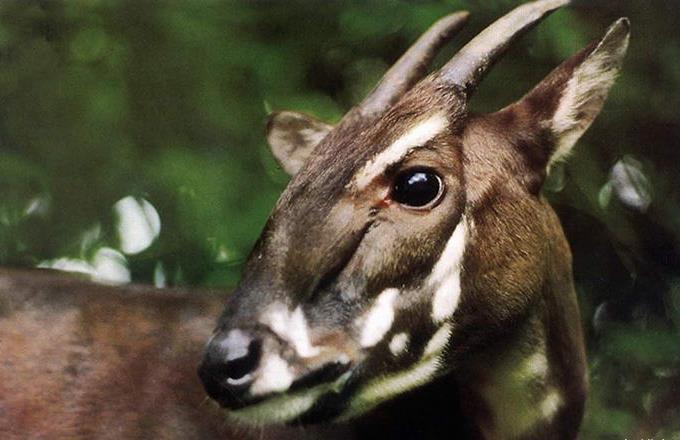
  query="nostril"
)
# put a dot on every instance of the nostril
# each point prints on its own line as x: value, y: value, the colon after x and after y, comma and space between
x: 231, y: 358
x: 243, y: 362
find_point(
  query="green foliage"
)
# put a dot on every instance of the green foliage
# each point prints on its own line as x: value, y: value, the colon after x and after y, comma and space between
x: 166, y: 102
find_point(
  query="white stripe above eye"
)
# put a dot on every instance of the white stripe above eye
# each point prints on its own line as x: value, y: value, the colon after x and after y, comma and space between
x: 416, y: 136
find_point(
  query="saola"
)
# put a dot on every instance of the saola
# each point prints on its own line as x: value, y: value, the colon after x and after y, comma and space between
x: 411, y: 266
x: 410, y: 283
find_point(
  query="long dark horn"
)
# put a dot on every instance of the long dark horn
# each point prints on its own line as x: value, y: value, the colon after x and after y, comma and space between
x: 466, y: 69
x: 412, y: 66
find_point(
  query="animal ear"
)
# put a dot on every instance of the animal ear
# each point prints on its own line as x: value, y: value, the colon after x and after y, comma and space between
x: 292, y: 136
x: 567, y: 101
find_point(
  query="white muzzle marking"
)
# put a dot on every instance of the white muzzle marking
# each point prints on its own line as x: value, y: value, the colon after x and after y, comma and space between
x: 273, y: 376
x: 291, y: 327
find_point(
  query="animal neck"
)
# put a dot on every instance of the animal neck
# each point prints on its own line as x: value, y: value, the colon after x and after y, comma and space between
x: 527, y: 382
x: 433, y: 411
x: 530, y: 383
x: 514, y: 384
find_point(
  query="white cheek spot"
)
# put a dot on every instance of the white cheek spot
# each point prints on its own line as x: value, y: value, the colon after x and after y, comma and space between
x: 445, y: 276
x: 437, y: 342
x: 535, y: 366
x: 291, y: 327
x: 379, y: 319
x: 399, y: 343
x: 550, y: 404
x: 416, y: 136
x: 274, y: 376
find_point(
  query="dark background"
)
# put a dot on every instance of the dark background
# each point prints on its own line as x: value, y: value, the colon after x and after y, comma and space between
x: 132, y: 147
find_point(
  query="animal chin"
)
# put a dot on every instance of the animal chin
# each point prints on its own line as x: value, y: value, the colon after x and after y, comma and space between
x: 291, y: 406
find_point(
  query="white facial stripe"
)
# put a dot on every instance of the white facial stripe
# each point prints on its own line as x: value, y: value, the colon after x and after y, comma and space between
x: 291, y: 327
x: 399, y: 343
x: 273, y: 376
x: 438, y: 341
x: 378, y: 321
x: 416, y: 136
x: 445, y: 276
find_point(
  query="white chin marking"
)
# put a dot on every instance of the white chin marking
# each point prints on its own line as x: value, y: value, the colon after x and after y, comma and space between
x: 399, y: 343
x: 286, y: 407
x: 445, y: 277
x: 390, y: 386
x: 416, y: 136
x: 379, y: 319
x: 273, y: 376
x: 278, y: 409
x: 291, y: 327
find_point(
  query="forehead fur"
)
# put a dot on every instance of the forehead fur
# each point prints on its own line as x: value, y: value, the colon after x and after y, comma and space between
x: 318, y: 222
x: 355, y: 140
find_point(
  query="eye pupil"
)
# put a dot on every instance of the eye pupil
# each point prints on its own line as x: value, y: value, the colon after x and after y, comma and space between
x: 416, y: 187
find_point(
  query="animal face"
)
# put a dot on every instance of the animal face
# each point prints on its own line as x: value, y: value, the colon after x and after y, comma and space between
x: 410, y: 234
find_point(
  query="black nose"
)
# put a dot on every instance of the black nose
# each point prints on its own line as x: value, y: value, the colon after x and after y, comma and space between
x: 226, y: 371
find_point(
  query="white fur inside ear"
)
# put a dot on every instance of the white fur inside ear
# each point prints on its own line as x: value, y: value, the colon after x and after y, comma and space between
x: 586, y: 90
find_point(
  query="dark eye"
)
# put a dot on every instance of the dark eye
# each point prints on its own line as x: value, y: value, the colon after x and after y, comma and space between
x: 417, y: 188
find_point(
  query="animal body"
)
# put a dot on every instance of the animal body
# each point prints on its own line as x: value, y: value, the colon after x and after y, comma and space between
x: 79, y: 360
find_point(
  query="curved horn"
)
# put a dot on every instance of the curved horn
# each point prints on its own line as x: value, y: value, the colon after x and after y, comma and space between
x: 412, y: 66
x: 471, y: 63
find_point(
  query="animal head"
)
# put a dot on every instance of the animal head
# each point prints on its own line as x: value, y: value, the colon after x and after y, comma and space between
x: 411, y: 233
